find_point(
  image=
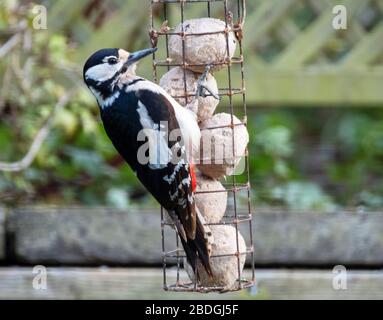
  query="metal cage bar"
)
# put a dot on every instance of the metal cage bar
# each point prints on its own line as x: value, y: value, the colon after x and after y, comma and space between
x: 233, y: 186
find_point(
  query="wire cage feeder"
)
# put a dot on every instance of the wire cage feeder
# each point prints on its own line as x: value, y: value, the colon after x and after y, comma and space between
x: 165, y: 14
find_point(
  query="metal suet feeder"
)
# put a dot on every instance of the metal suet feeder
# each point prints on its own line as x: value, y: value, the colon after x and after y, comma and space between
x: 188, y: 47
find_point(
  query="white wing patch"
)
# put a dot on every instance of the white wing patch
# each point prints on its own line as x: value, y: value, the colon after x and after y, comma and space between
x: 159, y: 152
x: 187, y: 120
x: 190, y: 131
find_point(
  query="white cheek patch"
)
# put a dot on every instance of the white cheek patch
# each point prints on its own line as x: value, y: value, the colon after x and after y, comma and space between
x: 103, y: 72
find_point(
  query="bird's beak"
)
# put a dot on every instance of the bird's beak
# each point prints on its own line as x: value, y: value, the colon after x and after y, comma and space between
x: 135, y: 56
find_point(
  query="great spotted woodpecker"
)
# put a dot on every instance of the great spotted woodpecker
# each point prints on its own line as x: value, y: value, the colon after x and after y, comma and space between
x: 131, y: 106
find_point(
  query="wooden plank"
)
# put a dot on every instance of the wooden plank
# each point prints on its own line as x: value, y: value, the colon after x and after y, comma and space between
x: 97, y: 236
x: 93, y: 283
x: 133, y: 283
x: 311, y: 40
x: 319, y: 87
x: 318, y: 284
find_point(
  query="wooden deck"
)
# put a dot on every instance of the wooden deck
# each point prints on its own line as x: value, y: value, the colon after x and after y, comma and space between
x: 144, y: 283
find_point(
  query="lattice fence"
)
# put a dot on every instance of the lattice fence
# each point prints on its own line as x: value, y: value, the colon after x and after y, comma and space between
x: 294, y: 56
x: 297, y: 56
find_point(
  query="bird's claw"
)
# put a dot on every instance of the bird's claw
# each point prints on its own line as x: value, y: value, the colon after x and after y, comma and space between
x: 202, y: 86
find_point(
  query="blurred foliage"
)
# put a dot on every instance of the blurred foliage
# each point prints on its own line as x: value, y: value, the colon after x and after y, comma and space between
x: 302, y: 159
x: 76, y: 164
x: 317, y: 159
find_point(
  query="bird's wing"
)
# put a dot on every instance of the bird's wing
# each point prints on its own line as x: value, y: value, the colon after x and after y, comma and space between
x: 177, y: 176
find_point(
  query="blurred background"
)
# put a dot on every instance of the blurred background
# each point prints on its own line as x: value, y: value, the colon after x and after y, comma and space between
x: 315, y: 117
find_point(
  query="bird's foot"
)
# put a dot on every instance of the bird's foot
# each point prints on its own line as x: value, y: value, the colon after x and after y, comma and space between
x: 202, y: 86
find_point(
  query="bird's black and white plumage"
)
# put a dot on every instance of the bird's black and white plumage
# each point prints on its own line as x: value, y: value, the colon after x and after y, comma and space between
x: 140, y: 118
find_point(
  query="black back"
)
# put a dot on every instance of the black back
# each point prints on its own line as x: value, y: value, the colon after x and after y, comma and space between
x: 122, y: 124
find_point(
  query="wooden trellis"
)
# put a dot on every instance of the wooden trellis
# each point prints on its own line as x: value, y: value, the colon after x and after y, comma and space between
x: 295, y: 57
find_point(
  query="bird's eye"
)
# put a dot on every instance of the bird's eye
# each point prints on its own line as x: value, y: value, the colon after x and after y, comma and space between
x: 112, y: 60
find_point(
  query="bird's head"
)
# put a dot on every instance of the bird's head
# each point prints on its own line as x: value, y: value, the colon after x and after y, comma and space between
x: 105, y: 67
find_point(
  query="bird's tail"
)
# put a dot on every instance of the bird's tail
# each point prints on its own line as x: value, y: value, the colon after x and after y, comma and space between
x: 199, y: 248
